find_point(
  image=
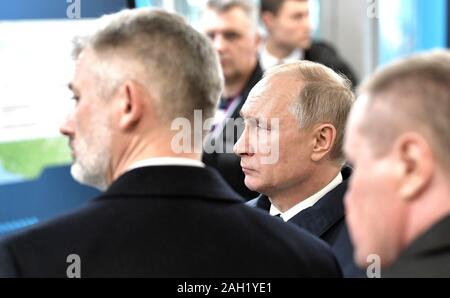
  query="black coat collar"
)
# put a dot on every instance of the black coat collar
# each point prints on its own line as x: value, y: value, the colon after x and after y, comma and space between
x: 172, y: 181
x: 326, y: 213
x: 436, y: 239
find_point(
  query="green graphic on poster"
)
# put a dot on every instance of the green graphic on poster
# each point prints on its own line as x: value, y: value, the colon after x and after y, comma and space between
x: 34, y: 98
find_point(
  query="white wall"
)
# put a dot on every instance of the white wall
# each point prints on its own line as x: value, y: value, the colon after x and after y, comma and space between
x: 352, y: 28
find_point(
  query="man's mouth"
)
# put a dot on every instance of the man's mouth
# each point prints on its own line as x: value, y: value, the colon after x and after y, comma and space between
x: 72, y: 150
x: 247, y: 170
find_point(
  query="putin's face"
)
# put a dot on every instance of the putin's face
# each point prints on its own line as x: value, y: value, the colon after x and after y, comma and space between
x: 274, y: 150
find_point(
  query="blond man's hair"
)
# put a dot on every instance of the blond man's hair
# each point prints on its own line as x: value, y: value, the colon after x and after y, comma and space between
x: 412, y: 94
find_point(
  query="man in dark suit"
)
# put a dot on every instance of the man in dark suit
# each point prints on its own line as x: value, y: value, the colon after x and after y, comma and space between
x: 289, y: 38
x: 232, y: 27
x: 305, y: 183
x: 398, y: 204
x: 326, y: 220
x: 163, y: 213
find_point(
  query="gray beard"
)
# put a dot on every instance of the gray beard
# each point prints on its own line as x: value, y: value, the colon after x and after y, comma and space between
x: 96, y: 180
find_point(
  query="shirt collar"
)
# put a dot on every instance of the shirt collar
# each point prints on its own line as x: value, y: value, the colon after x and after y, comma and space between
x: 268, y: 60
x: 307, y: 202
x: 166, y: 161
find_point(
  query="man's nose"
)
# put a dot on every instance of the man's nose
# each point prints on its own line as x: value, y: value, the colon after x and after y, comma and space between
x: 219, y: 43
x: 242, y: 146
x: 66, y: 127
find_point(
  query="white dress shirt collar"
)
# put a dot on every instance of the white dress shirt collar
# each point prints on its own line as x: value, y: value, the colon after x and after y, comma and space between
x: 307, y: 202
x: 167, y: 161
x: 268, y: 60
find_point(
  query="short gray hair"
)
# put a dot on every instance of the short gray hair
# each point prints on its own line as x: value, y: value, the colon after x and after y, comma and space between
x: 325, y: 97
x: 166, y: 54
x: 248, y: 6
x: 415, y: 94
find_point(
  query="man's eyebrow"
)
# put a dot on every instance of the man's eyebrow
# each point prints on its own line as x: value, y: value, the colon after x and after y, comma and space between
x: 249, y: 118
x: 71, y: 87
x: 243, y: 116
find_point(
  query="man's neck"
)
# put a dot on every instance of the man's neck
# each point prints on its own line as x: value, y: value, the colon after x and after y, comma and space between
x: 138, y: 150
x: 285, y: 199
x: 234, y: 89
x: 424, y: 212
x: 277, y: 50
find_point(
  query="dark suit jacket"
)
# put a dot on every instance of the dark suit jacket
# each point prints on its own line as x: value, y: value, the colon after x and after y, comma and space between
x: 167, y: 221
x: 324, y: 53
x: 229, y: 164
x: 326, y: 220
x: 427, y: 256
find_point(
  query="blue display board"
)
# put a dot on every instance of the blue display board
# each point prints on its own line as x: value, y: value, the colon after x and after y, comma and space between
x: 409, y: 26
x: 448, y: 25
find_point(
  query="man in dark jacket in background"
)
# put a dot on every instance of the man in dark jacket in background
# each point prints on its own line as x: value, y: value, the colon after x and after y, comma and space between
x: 232, y: 27
x: 289, y: 38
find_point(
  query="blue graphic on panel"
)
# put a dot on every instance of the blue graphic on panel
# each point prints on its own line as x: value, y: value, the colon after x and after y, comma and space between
x: 56, y: 9
x: 54, y: 193
x: 145, y: 3
x: 409, y: 26
x: 14, y: 225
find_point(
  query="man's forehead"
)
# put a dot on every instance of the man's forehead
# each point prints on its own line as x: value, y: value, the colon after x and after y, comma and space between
x: 270, y: 94
x: 234, y: 18
x: 84, y: 60
x: 281, y: 85
x: 258, y: 93
x: 289, y: 5
x: 85, y: 67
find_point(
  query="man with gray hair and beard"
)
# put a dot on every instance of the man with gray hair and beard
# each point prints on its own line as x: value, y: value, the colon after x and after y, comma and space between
x: 164, y: 214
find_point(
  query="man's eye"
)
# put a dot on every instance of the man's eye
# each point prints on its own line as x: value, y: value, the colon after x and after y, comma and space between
x: 231, y: 35
x: 300, y: 16
x: 75, y: 98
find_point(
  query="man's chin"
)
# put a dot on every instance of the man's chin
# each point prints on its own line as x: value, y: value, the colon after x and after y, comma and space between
x: 251, y: 184
x: 82, y: 177
x: 232, y: 77
x: 305, y: 44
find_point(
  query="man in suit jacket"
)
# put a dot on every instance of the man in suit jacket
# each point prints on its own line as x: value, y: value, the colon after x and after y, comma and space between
x: 303, y: 184
x: 326, y: 220
x: 398, y: 207
x: 289, y: 38
x: 163, y: 213
x: 232, y: 27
